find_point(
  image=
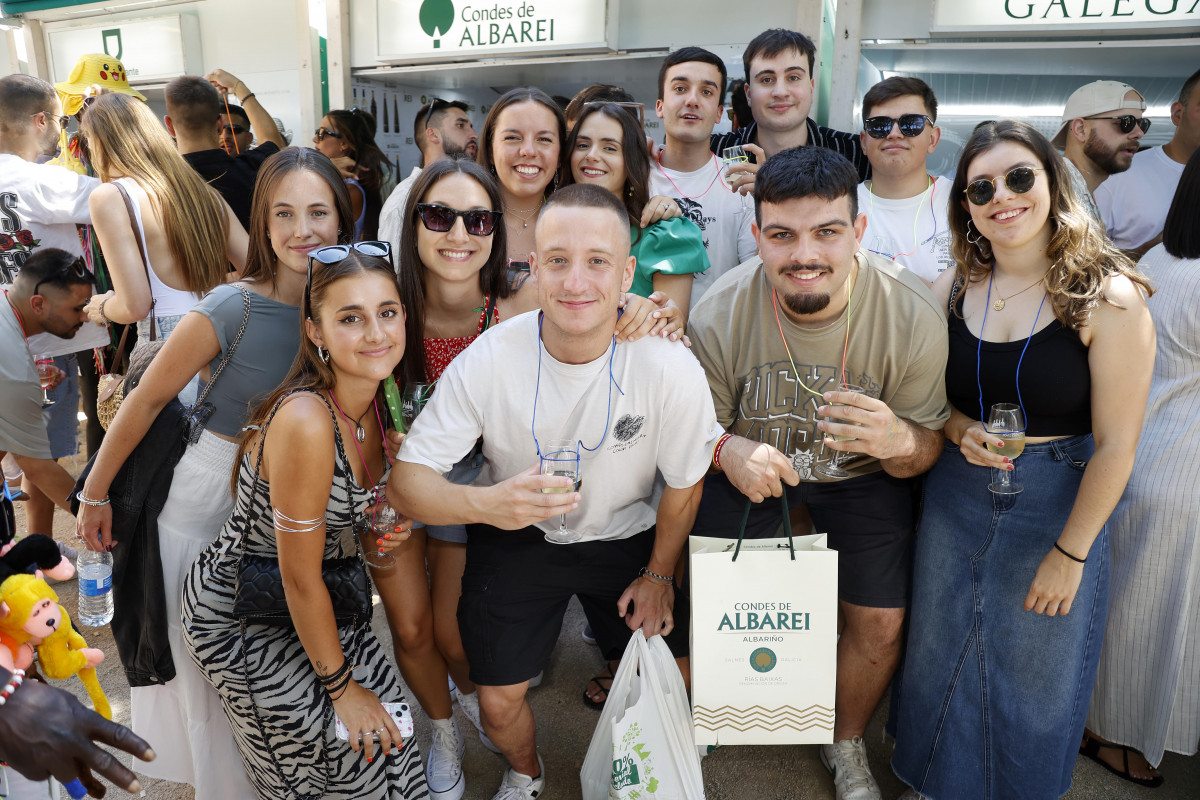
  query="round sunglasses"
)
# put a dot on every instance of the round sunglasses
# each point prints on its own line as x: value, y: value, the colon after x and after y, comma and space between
x: 1126, y: 122
x: 910, y: 125
x: 439, y: 219
x: 1018, y: 180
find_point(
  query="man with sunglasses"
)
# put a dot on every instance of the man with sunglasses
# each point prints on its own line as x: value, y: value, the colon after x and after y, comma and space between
x: 236, y: 134
x: 907, y: 208
x: 441, y: 129
x: 194, y: 114
x: 48, y: 296
x: 1134, y: 204
x: 1099, y: 135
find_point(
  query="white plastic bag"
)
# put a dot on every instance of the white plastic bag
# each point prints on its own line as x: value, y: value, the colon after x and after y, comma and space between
x: 642, y: 748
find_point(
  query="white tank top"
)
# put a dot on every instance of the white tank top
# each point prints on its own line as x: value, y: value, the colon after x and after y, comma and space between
x: 167, y: 301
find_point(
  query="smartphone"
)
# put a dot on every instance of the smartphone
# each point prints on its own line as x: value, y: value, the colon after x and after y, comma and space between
x: 400, y: 714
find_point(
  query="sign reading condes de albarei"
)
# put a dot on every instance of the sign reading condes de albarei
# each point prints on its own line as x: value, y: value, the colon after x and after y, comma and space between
x: 411, y: 31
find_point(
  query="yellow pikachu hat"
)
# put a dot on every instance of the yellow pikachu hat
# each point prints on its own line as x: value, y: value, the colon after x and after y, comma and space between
x: 95, y: 68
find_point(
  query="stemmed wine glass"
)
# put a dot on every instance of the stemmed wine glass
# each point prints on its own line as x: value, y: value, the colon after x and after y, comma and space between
x: 832, y: 468
x: 383, y: 521
x: 561, y: 459
x: 1006, y: 421
x: 47, y: 372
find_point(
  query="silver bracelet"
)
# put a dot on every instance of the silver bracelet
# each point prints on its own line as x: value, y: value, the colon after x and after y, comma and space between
x: 89, y: 502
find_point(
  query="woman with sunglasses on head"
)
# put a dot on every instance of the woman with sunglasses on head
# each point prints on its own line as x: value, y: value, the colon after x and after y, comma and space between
x: 307, y: 469
x: 300, y: 204
x: 607, y: 147
x: 350, y: 133
x: 178, y: 237
x: 1011, y: 581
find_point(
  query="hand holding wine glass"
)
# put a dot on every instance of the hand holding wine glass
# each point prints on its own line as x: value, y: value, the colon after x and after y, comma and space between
x: 833, y: 468
x: 49, y: 376
x: 561, y: 458
x: 1007, y: 422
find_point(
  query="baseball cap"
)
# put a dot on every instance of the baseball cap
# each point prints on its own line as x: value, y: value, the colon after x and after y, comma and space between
x: 1096, y: 98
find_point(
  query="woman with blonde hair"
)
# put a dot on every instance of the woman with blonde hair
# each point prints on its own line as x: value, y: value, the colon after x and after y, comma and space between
x: 168, y: 238
x: 1011, y: 569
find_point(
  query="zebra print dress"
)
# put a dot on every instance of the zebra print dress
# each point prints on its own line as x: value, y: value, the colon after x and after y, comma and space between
x: 281, y: 717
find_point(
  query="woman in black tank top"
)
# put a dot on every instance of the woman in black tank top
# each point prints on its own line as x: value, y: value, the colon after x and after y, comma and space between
x: 1010, y: 590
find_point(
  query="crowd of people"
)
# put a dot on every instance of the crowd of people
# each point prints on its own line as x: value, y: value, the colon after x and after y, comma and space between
x: 860, y: 336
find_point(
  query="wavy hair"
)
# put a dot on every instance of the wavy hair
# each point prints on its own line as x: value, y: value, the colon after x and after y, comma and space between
x: 308, y: 371
x: 524, y: 94
x: 124, y: 138
x: 260, y: 257
x: 1081, y: 256
x: 357, y: 128
x: 636, y: 191
x: 492, y: 277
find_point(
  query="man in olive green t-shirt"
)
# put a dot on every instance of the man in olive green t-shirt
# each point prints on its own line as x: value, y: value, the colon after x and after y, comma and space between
x: 774, y: 336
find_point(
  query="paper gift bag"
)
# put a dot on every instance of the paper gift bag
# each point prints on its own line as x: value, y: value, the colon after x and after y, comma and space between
x: 763, y: 638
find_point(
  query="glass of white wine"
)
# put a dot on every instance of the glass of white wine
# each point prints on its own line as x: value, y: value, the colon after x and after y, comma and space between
x: 1006, y: 421
x: 561, y: 459
x: 833, y: 467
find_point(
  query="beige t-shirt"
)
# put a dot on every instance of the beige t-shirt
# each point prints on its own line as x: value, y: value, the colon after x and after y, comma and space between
x: 897, y: 353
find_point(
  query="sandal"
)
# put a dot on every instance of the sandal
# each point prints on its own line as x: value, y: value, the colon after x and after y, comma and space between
x: 1091, y: 748
x: 604, y: 682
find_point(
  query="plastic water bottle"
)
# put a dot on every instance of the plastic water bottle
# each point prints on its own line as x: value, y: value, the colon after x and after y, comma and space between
x: 95, y: 587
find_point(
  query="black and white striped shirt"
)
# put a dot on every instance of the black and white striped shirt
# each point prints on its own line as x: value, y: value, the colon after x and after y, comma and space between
x: 838, y: 141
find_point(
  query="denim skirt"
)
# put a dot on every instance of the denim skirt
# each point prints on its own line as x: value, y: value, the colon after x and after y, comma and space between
x: 992, y: 698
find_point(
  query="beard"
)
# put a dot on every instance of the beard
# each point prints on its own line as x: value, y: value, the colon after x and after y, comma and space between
x: 805, y: 302
x: 1109, y: 160
x: 456, y: 150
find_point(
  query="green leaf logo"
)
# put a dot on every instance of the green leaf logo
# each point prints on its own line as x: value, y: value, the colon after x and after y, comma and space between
x: 436, y: 18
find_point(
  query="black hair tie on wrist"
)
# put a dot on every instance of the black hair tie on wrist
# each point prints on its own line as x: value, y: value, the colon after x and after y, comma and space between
x: 1068, y: 555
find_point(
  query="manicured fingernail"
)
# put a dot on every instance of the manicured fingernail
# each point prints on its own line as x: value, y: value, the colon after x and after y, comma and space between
x: 1008, y: 461
x: 381, y: 552
x: 379, y: 542
x: 388, y: 536
x: 369, y: 759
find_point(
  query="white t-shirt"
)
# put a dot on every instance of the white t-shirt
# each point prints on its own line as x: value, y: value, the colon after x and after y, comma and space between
x: 661, y: 418
x: 40, y: 205
x: 1134, y: 203
x: 391, y: 216
x: 914, y: 232
x: 22, y: 429
x: 723, y: 216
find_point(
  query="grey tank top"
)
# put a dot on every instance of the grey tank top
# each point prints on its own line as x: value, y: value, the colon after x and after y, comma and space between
x: 262, y: 359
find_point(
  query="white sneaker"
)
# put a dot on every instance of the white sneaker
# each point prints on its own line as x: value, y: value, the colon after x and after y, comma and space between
x: 912, y: 794
x: 443, y: 771
x: 847, y: 761
x: 516, y: 786
x: 469, y: 703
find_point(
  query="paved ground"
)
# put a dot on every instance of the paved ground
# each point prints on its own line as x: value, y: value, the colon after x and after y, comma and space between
x: 565, y: 727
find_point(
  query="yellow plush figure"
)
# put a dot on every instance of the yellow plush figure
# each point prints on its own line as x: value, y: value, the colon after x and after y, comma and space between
x: 35, y: 617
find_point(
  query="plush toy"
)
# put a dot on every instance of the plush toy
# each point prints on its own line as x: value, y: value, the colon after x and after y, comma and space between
x: 16, y: 557
x: 35, y: 618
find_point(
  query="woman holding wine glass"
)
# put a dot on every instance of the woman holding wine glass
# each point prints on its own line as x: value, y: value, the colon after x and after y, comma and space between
x: 1010, y: 589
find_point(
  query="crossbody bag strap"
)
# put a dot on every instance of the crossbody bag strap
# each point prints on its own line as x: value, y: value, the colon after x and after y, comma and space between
x: 955, y: 291
x: 117, y: 354
x: 233, y: 346
x: 138, y: 237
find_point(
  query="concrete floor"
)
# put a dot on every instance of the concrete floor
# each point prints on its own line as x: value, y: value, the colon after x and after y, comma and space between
x: 565, y: 728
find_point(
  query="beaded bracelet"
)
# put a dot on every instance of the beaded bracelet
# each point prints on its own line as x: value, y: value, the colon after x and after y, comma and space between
x: 89, y: 502
x: 717, y: 450
x: 247, y: 97
x: 1068, y: 555
x: 14, y: 681
x: 645, y: 572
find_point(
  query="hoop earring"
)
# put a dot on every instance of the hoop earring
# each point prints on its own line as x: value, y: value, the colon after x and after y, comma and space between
x: 323, y: 354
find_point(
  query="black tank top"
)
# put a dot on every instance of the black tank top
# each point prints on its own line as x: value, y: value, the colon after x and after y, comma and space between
x: 1056, y: 385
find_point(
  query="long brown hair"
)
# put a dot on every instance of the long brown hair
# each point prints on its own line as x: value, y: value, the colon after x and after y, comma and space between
x: 357, y: 128
x: 636, y: 191
x: 525, y: 94
x: 308, y: 371
x: 1081, y: 256
x: 261, y: 258
x: 492, y: 277
x: 125, y: 138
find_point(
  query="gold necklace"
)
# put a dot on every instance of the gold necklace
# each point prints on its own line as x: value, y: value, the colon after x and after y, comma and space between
x: 518, y: 212
x: 998, y: 304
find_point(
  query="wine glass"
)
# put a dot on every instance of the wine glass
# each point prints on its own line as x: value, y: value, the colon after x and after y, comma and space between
x: 1006, y: 421
x: 832, y: 468
x: 47, y: 373
x: 561, y: 459
x: 383, y: 520
x: 413, y: 400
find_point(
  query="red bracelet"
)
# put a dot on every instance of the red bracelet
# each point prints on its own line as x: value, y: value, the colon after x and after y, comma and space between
x: 717, y: 450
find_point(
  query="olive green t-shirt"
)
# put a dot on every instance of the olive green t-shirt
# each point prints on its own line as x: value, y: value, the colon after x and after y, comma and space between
x: 897, y: 353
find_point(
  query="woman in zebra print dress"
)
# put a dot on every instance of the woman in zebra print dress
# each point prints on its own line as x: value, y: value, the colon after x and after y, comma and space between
x: 298, y: 493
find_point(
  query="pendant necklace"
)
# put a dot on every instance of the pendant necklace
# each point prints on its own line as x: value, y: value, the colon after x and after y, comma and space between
x: 360, y: 433
x: 999, y: 302
x: 517, y: 212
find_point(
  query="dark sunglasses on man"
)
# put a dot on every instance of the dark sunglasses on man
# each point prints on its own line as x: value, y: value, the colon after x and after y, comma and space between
x: 335, y: 253
x: 910, y: 125
x: 1019, y: 180
x: 63, y: 119
x: 1126, y: 122
x: 439, y: 219
x: 321, y: 133
x: 240, y: 129
x: 78, y: 268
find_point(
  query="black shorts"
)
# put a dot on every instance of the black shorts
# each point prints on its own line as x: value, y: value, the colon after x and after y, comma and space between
x: 515, y: 591
x: 869, y: 520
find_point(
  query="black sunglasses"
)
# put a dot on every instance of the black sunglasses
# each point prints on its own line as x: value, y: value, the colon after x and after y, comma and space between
x: 242, y: 129
x: 78, y: 268
x: 434, y: 104
x: 63, y: 119
x: 334, y: 253
x: 910, y: 125
x: 1126, y: 122
x: 321, y: 133
x: 439, y: 219
x: 1018, y: 179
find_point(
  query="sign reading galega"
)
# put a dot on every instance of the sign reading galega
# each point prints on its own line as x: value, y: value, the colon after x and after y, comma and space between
x: 1091, y: 15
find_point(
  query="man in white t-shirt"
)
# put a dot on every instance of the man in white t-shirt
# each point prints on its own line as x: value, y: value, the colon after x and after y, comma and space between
x: 907, y: 208
x: 691, y: 84
x: 1134, y: 204
x: 626, y: 409
x: 441, y: 129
